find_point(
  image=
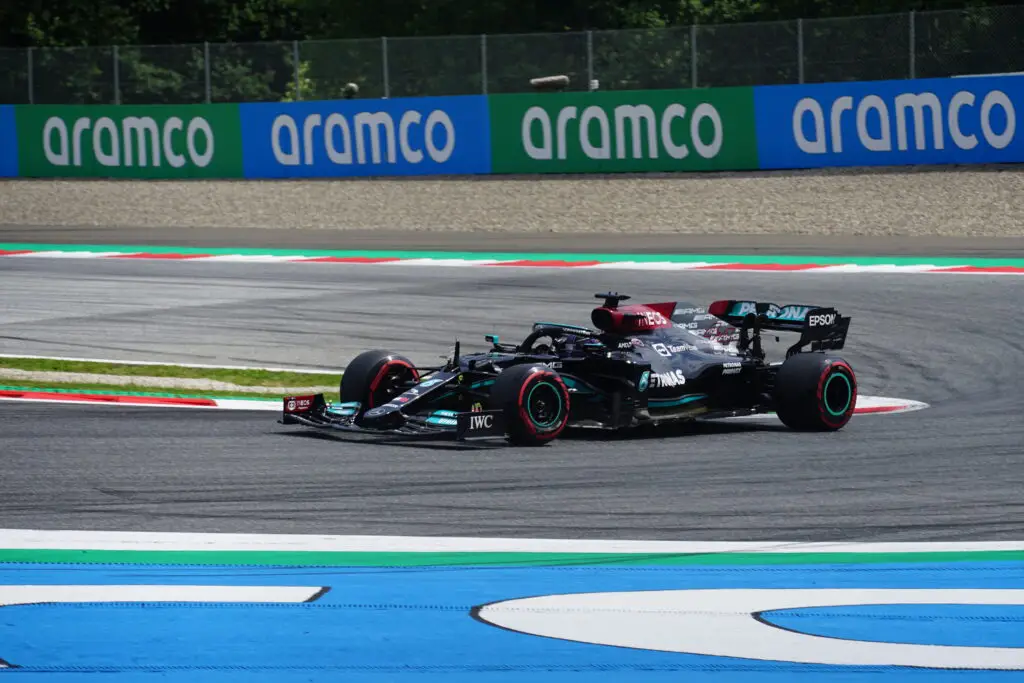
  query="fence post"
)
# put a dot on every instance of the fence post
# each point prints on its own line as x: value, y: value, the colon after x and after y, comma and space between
x: 483, y: 62
x: 590, y: 59
x: 384, y: 66
x: 800, y: 47
x: 117, y: 77
x: 31, y: 79
x: 913, y: 48
x: 206, y: 70
x: 298, y: 79
x: 693, y: 55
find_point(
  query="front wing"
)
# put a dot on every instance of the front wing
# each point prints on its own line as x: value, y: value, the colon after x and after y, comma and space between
x: 314, y: 411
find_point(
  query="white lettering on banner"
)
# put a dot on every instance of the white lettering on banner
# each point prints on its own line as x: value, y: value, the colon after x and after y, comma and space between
x: 643, y: 123
x: 924, y: 110
x: 722, y: 623
x: 138, y: 142
x: 481, y: 421
x: 377, y: 140
x: 374, y: 123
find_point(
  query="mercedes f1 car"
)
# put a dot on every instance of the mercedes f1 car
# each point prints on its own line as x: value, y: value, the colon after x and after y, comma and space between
x: 643, y: 364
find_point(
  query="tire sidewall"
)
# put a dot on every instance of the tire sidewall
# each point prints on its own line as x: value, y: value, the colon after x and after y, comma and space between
x: 801, y: 386
x: 513, y: 392
x: 364, y: 373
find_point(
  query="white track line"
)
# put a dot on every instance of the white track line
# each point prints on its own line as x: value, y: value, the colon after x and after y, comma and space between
x: 31, y: 539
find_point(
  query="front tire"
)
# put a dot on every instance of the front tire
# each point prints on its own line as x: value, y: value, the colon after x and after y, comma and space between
x: 375, y: 377
x: 535, y: 401
x: 815, y: 392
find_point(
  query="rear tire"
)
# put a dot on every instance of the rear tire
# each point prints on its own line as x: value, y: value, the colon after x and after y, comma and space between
x: 375, y: 377
x: 815, y: 392
x: 535, y: 402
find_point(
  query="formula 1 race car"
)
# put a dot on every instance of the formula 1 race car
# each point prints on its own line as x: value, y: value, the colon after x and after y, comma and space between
x: 644, y: 364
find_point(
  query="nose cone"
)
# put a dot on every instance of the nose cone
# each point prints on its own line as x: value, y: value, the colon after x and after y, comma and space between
x: 387, y: 416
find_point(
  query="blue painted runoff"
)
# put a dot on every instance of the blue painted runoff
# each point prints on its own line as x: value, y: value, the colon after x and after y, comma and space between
x: 399, y: 625
x: 955, y: 625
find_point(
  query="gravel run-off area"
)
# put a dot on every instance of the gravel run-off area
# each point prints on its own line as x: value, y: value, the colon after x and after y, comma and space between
x: 953, y: 201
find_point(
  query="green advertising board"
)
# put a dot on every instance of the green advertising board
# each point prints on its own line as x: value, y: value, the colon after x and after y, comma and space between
x: 154, y: 141
x: 624, y: 131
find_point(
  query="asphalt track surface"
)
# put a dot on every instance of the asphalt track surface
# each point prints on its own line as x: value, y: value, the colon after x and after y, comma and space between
x: 952, y: 472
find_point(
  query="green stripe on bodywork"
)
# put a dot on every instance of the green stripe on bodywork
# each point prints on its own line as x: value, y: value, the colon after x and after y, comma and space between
x: 522, y: 256
x: 504, y: 559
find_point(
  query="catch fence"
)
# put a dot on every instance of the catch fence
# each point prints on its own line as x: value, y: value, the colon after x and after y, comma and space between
x: 864, y: 48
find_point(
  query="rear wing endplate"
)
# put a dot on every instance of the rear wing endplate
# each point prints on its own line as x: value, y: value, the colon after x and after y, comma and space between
x: 821, y: 327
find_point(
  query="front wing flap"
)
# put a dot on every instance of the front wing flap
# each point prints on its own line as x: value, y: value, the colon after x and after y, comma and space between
x: 314, y: 411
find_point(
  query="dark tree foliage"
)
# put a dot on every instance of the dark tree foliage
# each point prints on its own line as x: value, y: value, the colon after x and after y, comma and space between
x: 434, y: 46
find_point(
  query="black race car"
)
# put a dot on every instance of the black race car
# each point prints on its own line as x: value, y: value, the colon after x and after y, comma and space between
x: 643, y: 364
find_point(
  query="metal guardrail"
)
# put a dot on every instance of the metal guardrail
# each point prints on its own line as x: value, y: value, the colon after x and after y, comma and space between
x: 880, y: 47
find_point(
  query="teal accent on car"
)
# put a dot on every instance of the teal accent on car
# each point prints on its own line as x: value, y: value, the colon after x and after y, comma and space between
x: 672, y: 402
x: 345, y: 409
x: 564, y: 326
x: 558, y: 415
x: 576, y: 385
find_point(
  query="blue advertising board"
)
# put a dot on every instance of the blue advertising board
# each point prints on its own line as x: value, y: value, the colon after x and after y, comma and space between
x: 927, y: 121
x: 400, y: 137
x: 8, y: 143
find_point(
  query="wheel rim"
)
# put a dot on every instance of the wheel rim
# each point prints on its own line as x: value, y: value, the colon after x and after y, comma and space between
x: 390, y: 384
x: 837, y: 393
x: 544, y: 405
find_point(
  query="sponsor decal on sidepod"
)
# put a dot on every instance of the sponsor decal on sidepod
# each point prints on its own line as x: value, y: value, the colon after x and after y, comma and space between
x: 674, y: 378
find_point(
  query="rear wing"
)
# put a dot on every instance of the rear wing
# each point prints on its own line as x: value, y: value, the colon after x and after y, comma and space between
x: 821, y: 327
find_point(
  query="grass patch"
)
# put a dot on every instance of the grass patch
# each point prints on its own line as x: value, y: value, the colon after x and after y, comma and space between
x: 248, y: 378
x: 136, y: 390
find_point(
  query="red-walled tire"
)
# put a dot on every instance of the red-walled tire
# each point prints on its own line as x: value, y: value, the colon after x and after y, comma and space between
x: 815, y: 392
x: 375, y: 377
x: 535, y: 401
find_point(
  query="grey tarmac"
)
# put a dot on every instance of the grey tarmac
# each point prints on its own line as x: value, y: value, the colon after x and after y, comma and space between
x: 951, y: 472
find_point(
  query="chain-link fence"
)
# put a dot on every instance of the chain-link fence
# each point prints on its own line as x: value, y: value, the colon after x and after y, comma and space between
x: 880, y: 47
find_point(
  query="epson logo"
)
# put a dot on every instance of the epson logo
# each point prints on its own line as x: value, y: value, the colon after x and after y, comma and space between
x: 822, y: 320
x: 377, y: 131
x: 924, y: 109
